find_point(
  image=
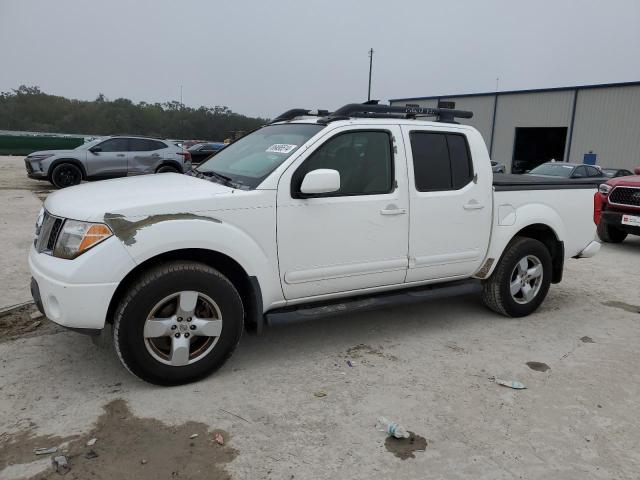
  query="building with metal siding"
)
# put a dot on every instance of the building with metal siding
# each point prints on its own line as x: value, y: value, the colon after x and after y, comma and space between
x: 562, y: 123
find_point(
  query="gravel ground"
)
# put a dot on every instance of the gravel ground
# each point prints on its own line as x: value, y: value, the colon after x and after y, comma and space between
x: 290, y: 406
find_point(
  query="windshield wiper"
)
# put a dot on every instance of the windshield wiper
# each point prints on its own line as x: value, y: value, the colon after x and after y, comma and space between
x: 225, y: 180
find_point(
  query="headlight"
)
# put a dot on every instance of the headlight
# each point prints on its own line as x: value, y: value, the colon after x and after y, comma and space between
x: 604, y: 189
x: 38, y: 157
x: 77, y: 237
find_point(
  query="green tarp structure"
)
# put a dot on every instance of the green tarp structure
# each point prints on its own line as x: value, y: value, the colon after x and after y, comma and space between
x: 25, y: 144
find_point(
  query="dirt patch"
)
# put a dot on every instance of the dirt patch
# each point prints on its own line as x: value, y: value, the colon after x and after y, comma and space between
x: 361, y: 350
x: 130, y: 447
x: 403, y: 448
x: 18, y: 322
x: 538, y: 366
x: 627, y: 307
x: 586, y: 339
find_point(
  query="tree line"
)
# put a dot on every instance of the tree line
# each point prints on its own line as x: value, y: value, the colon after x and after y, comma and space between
x: 30, y: 109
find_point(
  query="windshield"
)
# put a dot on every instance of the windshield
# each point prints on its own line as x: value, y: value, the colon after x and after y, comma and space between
x: 251, y: 159
x: 88, y: 145
x: 553, y: 169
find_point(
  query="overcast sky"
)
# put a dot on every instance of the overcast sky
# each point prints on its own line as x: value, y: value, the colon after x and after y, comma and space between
x: 260, y: 57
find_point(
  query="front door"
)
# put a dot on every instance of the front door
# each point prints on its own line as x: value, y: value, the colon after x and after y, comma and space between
x: 110, y: 161
x: 451, y: 205
x: 352, y: 239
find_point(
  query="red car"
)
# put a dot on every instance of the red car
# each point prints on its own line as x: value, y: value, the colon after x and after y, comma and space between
x: 617, y: 208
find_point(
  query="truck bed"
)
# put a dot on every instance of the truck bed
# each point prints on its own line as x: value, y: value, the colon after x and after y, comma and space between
x: 511, y: 182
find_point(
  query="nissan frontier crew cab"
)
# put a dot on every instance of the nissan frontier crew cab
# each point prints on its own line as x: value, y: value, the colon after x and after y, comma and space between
x: 313, y: 208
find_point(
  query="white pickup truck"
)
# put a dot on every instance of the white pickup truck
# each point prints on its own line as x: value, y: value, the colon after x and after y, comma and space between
x: 314, y: 207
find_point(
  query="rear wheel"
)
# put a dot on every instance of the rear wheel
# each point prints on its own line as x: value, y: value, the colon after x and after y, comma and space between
x: 521, y: 280
x: 178, y: 323
x: 167, y: 169
x: 66, y: 175
x: 610, y: 234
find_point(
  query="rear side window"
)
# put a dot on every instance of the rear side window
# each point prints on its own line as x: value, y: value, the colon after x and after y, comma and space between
x: 441, y: 161
x: 594, y: 172
x: 144, y: 145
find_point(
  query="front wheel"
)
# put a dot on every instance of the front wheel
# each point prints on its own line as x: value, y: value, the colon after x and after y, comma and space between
x: 521, y: 280
x: 178, y: 323
x: 610, y: 234
x: 66, y: 175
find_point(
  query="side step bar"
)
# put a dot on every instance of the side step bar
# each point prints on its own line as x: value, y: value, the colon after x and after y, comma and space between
x: 337, y: 306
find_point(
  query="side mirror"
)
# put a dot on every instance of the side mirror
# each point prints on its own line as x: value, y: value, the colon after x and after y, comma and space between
x: 322, y: 180
x: 636, y: 170
x: 95, y: 149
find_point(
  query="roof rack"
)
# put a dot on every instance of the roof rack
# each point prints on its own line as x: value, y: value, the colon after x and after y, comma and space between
x: 299, y: 112
x: 394, y: 111
x: 371, y: 109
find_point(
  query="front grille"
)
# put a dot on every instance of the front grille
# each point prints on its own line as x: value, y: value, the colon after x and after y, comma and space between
x: 47, y: 233
x: 27, y: 164
x: 625, y: 196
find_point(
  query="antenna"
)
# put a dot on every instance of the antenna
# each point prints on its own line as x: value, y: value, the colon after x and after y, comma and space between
x: 370, y: 69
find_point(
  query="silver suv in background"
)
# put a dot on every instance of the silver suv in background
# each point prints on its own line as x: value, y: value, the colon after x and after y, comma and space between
x: 107, y: 157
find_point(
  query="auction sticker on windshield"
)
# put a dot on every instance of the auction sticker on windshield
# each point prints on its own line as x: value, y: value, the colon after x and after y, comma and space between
x: 281, y: 148
x: 631, y: 220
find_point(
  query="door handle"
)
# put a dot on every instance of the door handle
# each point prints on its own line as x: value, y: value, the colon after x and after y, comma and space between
x: 393, y: 211
x: 473, y: 205
x: 120, y: 155
x: 155, y: 155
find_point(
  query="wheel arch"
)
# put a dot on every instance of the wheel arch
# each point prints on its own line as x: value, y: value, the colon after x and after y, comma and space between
x: 537, y: 230
x: 170, y: 163
x: 247, y: 285
x: 59, y: 161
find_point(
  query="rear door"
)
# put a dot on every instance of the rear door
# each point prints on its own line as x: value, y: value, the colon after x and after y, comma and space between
x: 111, y: 160
x: 450, y: 205
x: 145, y: 155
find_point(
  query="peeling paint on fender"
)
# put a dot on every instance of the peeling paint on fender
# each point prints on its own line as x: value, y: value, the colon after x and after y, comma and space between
x: 126, y: 229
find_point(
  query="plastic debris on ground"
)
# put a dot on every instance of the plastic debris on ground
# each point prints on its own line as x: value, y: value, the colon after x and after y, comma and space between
x: 45, y: 450
x: 509, y: 383
x: 320, y: 394
x: 219, y: 439
x: 61, y: 464
x: 195, y: 435
x: 90, y: 455
x: 350, y: 363
x: 92, y: 442
x: 391, y: 428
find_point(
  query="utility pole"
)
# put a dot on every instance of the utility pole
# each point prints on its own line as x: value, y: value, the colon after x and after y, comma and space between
x: 370, y: 68
x: 181, y: 95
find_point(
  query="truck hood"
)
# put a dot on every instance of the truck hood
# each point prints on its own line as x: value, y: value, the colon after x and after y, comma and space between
x: 134, y: 196
x: 630, y: 181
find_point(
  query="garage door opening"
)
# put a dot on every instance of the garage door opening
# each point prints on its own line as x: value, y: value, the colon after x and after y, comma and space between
x: 536, y: 145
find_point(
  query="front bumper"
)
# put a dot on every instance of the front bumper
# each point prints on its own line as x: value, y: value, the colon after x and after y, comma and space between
x: 35, y: 170
x: 77, y: 293
x: 614, y: 218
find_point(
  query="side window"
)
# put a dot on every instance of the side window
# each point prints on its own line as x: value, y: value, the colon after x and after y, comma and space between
x: 579, y: 172
x: 441, y: 161
x: 363, y: 158
x: 594, y: 172
x: 143, y: 145
x: 114, y: 145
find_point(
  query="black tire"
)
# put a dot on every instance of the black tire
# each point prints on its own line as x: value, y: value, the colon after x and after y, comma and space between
x: 65, y: 175
x: 496, y: 292
x: 152, y: 287
x: 610, y: 234
x: 167, y: 169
